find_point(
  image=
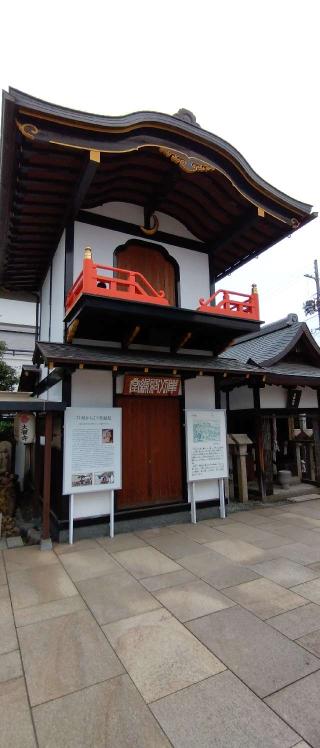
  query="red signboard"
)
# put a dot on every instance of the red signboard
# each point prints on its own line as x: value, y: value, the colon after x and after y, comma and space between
x: 143, y: 384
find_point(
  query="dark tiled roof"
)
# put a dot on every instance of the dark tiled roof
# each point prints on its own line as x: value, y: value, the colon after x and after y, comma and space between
x: 64, y: 353
x: 272, y: 342
x: 298, y: 371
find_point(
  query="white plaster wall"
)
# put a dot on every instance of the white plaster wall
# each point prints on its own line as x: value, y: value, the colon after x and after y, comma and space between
x: 134, y: 214
x: 45, y: 309
x: 194, y: 268
x: 241, y: 398
x: 199, y: 393
x: 91, y: 389
x: 272, y: 396
x: 55, y: 393
x: 308, y: 398
x: 57, y: 310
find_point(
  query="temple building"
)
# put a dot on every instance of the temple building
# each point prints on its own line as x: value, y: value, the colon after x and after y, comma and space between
x: 123, y: 230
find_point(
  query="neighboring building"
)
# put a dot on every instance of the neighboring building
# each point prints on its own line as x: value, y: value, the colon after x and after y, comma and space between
x: 280, y: 412
x: 20, y: 342
x: 168, y: 210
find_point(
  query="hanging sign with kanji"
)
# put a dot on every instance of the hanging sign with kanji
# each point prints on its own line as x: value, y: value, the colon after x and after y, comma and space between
x: 144, y: 384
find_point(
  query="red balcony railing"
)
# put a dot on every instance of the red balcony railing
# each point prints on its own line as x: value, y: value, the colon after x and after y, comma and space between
x: 232, y: 304
x: 110, y: 282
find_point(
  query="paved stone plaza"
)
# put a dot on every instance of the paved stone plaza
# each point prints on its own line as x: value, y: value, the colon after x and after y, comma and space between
x: 189, y: 636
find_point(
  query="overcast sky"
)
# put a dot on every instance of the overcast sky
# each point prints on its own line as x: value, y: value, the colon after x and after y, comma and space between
x: 249, y: 70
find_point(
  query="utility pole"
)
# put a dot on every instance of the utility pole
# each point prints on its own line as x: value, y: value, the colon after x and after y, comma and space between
x: 312, y: 306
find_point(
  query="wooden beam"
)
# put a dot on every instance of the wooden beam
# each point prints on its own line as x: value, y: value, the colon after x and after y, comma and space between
x: 114, y: 224
x: 45, y: 533
x: 90, y: 167
x: 233, y: 232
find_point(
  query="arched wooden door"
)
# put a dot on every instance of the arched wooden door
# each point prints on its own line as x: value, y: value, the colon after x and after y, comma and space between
x: 152, y: 263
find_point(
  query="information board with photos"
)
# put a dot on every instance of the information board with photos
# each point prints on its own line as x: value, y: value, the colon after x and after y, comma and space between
x: 92, y: 450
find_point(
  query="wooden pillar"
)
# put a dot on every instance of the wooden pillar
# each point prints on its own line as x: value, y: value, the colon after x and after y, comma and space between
x: 263, y: 448
x: 316, y: 437
x: 47, y: 478
x: 36, y: 468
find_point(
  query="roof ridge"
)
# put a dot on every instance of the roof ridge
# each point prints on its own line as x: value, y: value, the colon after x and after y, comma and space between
x: 280, y: 324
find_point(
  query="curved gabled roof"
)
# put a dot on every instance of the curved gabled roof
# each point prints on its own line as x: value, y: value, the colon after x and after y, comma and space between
x: 56, y: 161
x: 275, y: 343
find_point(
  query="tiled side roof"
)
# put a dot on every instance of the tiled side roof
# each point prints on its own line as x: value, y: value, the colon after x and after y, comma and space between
x: 270, y: 342
x: 64, y: 353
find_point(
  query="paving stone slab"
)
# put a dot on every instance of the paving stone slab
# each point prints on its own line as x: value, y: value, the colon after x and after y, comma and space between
x: 193, y: 599
x: 8, y: 638
x: 16, y: 728
x: 222, y: 712
x: 256, y: 536
x: 64, y: 654
x: 262, y: 657
x: 3, y: 578
x: 298, y: 705
x: 175, y: 546
x: 298, y: 622
x: 44, y: 611
x: 160, y: 654
x: 284, y: 572
x: 167, y: 580
x: 89, y: 563
x: 111, y: 714
x: 146, y: 562
x: 217, y: 570
x: 85, y: 544
x: 237, y: 550
x: 116, y: 596
x: 264, y: 598
x: 199, y: 532
x: 309, y: 590
x: 10, y: 666
x: 40, y: 585
x: 21, y: 559
x: 311, y: 642
x: 123, y: 542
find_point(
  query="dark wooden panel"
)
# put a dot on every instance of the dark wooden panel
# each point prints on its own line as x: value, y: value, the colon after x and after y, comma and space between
x: 149, y: 261
x: 151, y: 452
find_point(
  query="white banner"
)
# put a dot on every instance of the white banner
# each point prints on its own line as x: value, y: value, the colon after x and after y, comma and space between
x: 206, y: 445
x: 92, y: 450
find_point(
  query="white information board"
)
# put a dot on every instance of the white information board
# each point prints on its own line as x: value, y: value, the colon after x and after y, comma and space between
x: 206, y: 445
x: 92, y: 450
x: 92, y: 462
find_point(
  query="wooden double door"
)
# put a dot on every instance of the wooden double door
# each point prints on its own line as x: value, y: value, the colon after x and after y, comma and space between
x: 151, y: 451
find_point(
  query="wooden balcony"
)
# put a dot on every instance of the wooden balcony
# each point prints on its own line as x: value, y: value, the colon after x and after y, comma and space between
x: 95, y: 311
x: 111, y: 282
x: 232, y: 304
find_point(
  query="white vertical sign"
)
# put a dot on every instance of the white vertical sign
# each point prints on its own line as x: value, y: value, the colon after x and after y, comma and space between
x: 207, y: 456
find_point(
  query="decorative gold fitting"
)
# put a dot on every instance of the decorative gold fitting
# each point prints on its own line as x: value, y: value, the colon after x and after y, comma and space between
x: 95, y: 156
x: 174, y: 371
x: 201, y: 373
x: 153, y: 229
x: 87, y: 253
x: 81, y: 366
x: 254, y: 288
x: 114, y: 368
x: 261, y: 212
x: 50, y: 365
x: 146, y: 370
x: 225, y: 375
